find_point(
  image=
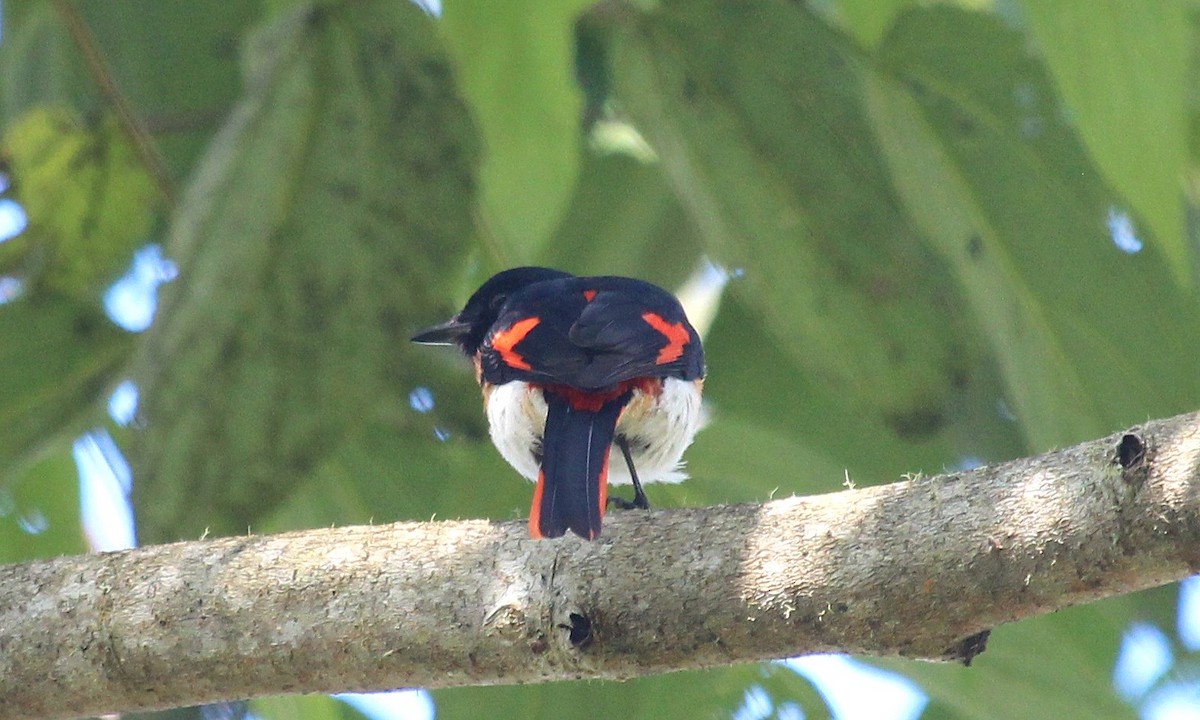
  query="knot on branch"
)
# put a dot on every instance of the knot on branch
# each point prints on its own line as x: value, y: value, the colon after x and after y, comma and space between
x: 580, y: 631
x: 1130, y: 454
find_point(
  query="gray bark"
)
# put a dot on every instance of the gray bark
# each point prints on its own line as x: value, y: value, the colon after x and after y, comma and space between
x: 910, y: 569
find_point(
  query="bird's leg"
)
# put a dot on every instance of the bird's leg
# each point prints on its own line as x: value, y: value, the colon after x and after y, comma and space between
x: 639, y: 496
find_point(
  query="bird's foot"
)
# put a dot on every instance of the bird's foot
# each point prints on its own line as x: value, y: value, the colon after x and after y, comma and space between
x: 639, y: 502
x: 639, y: 496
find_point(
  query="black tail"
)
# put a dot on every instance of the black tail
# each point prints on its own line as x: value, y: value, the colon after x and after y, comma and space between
x: 572, y: 488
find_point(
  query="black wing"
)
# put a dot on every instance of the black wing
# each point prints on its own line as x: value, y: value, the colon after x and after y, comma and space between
x: 592, y: 333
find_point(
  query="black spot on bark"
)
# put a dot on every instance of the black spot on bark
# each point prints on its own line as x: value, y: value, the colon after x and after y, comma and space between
x: 1131, y: 454
x: 580, y: 631
x: 237, y: 549
x: 1131, y: 451
x: 968, y: 648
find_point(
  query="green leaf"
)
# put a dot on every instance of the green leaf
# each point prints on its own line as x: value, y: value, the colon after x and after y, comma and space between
x: 754, y: 381
x: 87, y: 198
x: 1051, y: 666
x: 59, y: 358
x: 311, y: 242
x: 382, y: 475
x: 1019, y: 216
x: 39, y: 65
x: 515, y: 61
x: 177, y: 65
x: 39, y: 511
x: 309, y: 707
x: 1121, y: 74
x: 624, y: 219
x: 867, y: 20
x: 756, y: 115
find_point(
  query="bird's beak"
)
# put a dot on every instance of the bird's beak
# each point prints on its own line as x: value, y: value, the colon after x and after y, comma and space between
x: 447, y: 333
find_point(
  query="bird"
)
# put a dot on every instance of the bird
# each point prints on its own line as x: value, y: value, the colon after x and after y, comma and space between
x: 574, y: 370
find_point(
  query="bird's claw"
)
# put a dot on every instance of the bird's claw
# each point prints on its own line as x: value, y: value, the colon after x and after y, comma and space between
x: 637, y: 503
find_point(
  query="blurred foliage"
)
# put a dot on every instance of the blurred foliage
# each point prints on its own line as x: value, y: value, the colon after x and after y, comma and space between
x: 81, y: 232
x: 59, y: 357
x: 39, y: 512
x: 915, y: 202
x: 653, y: 697
x: 317, y: 228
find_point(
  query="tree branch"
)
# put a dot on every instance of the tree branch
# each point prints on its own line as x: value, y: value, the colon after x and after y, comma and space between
x: 908, y: 569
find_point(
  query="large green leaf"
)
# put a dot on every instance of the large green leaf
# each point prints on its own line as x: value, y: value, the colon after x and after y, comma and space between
x: 39, y: 510
x: 151, y: 46
x: 148, y: 47
x: 515, y: 60
x: 310, y: 243
x: 754, y: 381
x: 59, y: 357
x: 1120, y: 73
x: 291, y: 707
x: 380, y: 475
x: 1053, y: 666
x: 39, y: 64
x: 756, y: 113
x: 87, y: 198
x: 624, y: 219
x: 866, y: 20
x: 1019, y: 214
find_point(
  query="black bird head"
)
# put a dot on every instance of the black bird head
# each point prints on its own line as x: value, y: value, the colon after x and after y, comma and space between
x: 468, y: 328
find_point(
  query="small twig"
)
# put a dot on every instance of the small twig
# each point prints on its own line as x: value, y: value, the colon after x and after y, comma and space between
x: 130, y: 123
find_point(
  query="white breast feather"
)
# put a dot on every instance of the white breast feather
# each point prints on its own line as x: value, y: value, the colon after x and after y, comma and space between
x: 659, y: 429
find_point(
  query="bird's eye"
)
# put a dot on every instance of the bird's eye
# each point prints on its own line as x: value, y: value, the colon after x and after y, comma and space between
x: 498, y: 301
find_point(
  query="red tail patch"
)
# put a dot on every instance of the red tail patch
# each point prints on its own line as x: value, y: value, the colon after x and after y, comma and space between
x: 572, y: 488
x: 535, y: 513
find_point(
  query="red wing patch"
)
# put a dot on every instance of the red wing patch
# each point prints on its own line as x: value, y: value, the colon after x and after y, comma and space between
x: 589, y: 295
x: 675, y: 333
x: 505, y: 340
